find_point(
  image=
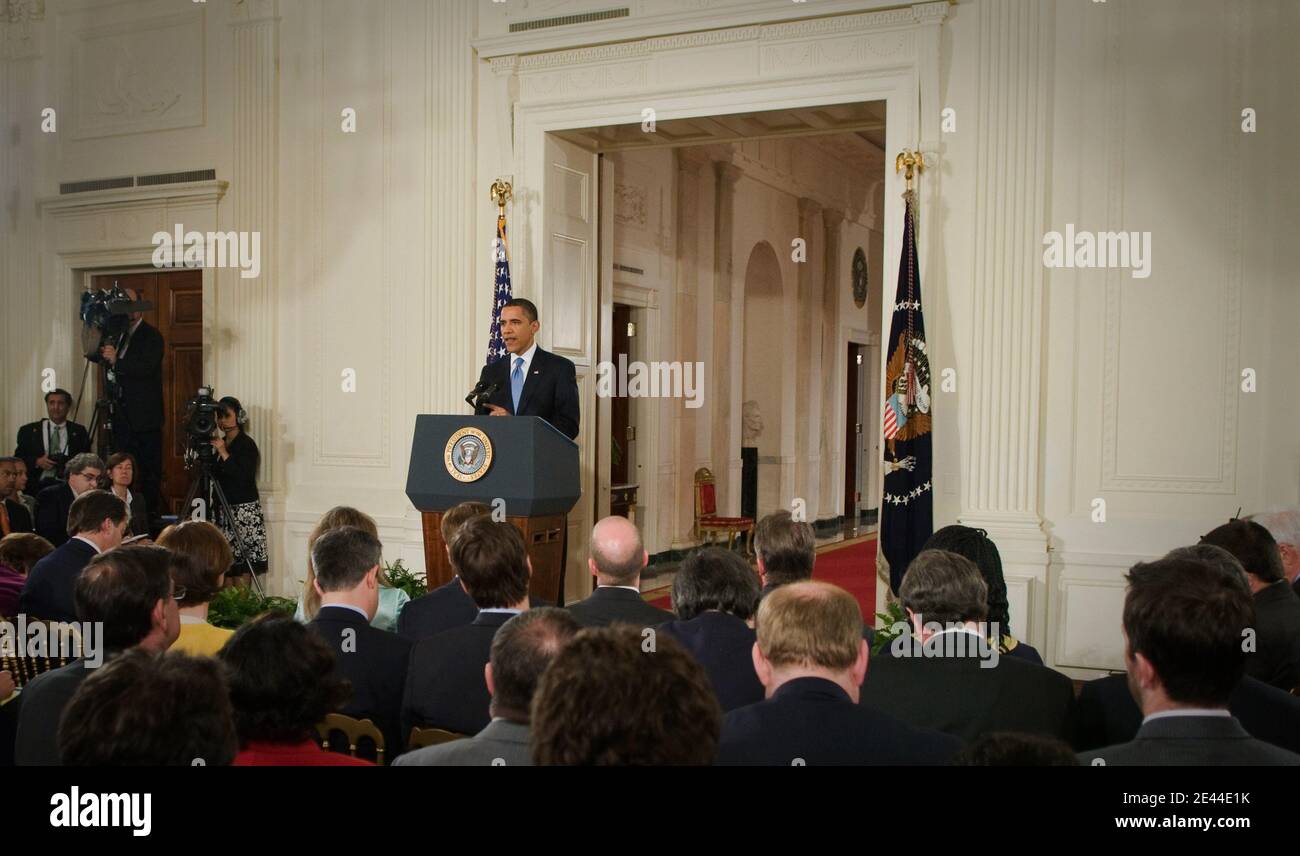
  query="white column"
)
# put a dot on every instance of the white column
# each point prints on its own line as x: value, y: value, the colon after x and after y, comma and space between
x: 1002, y: 473
x: 831, y: 440
x: 808, y: 395
x: 726, y: 454
x: 686, y: 421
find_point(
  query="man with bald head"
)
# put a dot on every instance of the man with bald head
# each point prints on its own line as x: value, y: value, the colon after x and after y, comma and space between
x: 617, y: 559
x: 135, y: 374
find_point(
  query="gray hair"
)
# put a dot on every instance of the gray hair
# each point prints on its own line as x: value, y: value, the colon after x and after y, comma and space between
x: 944, y: 587
x: 1283, y: 525
x: 80, y: 463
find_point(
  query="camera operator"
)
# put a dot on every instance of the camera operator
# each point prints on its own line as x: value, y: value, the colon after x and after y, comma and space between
x: 235, y: 469
x: 135, y: 377
x: 46, y: 445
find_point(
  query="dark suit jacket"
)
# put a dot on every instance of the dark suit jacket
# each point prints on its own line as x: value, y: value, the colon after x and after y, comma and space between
x: 608, y: 604
x: 1107, y: 714
x: 48, y: 591
x: 814, y: 720
x: 550, y: 389
x: 1192, y: 740
x: 52, y: 506
x: 723, y: 645
x: 139, y: 379
x: 955, y: 695
x: 445, y: 687
x: 42, y: 703
x: 19, y: 519
x: 375, y: 662
x: 31, y: 445
x: 1276, y: 659
x: 445, y: 607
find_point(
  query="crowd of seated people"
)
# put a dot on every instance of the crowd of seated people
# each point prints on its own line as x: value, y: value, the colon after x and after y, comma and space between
x: 761, y: 665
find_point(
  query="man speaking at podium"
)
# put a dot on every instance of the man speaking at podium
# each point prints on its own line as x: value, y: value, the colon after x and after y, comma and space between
x: 529, y: 381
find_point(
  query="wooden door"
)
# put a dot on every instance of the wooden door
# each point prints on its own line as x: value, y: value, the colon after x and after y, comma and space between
x: 177, y: 297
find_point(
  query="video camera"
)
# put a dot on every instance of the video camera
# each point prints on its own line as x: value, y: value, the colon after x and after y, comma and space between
x: 201, y: 413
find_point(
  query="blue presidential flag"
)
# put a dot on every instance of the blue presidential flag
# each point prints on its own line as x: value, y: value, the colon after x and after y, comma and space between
x: 501, y: 293
x: 907, y: 509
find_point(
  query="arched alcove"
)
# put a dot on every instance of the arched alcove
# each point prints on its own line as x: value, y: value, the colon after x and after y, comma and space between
x: 765, y: 352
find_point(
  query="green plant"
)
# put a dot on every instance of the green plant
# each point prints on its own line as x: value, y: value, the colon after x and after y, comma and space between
x: 892, y: 622
x: 402, y: 577
x: 233, y: 607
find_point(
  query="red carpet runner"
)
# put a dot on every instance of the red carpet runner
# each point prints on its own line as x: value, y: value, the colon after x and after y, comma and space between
x: 852, y: 567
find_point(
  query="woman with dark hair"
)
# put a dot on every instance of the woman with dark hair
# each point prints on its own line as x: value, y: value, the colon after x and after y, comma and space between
x: 236, y: 471
x: 283, y: 681
x: 19, y: 553
x: 119, y: 472
x: 974, y: 544
x: 715, y: 593
x: 200, y: 559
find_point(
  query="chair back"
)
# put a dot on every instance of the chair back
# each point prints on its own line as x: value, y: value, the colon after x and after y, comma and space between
x: 706, y: 497
x: 40, y: 646
x: 421, y: 737
x: 354, y: 730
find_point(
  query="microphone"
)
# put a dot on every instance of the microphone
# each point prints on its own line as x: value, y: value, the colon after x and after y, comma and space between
x: 482, y: 391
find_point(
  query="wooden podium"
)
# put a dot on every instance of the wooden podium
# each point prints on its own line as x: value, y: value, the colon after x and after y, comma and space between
x: 520, y: 466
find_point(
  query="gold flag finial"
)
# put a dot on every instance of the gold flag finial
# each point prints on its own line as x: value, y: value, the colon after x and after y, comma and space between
x: 501, y: 193
x: 909, y: 160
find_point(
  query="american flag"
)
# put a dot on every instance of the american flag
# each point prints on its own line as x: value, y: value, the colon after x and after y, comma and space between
x: 496, y: 348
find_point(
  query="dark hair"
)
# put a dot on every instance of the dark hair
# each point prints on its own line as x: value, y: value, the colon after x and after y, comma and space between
x: 1012, y: 749
x: 944, y: 587
x: 975, y: 545
x: 146, y: 709
x: 67, y: 396
x: 492, y: 562
x: 10, y: 459
x: 1253, y: 545
x: 521, y: 650
x: 1189, y: 619
x: 231, y: 405
x: 530, y: 308
x: 208, y: 554
x: 119, y: 458
x: 455, y: 517
x: 283, y: 680
x: 22, y: 550
x: 121, y: 588
x: 1211, y: 556
x: 714, y: 578
x: 788, y: 548
x: 342, y: 557
x: 608, y: 700
x: 89, y: 511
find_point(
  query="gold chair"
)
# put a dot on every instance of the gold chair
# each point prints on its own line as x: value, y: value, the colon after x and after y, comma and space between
x: 706, y: 514
x: 421, y: 737
x: 62, y: 645
x: 355, y: 730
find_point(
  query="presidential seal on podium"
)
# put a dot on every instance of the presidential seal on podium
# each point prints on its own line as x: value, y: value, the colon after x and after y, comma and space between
x: 468, y: 455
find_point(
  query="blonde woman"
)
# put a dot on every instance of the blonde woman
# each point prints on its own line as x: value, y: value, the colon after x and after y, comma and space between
x: 201, y: 555
x: 391, y: 600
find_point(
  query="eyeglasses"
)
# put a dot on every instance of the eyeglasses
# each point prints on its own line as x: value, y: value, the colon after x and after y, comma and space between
x: 179, y: 593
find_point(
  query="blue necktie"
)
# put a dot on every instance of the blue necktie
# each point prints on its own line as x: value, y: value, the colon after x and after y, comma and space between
x: 517, y: 381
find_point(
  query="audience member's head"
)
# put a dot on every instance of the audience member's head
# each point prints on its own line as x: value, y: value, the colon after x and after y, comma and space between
x: 456, y: 516
x: 129, y: 589
x: 1253, y: 546
x: 1215, y: 557
x: 209, y: 557
x: 347, y: 568
x: 941, y: 589
x: 9, y: 469
x: 974, y: 544
x: 617, y: 555
x: 283, y: 680
x: 493, y: 563
x: 1013, y: 749
x: 714, y: 579
x: 57, y: 404
x: 22, y: 550
x: 144, y: 709
x: 521, y: 650
x: 121, y: 469
x: 810, y: 630
x: 336, y: 518
x: 785, y: 548
x: 1284, y: 526
x: 100, y: 517
x: 615, y: 696
x: 1184, y: 626
x: 84, y: 472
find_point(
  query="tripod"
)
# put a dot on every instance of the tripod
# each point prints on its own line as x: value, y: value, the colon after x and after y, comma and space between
x: 209, y: 489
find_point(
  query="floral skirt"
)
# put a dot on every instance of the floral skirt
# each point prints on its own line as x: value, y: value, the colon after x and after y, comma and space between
x: 251, y: 526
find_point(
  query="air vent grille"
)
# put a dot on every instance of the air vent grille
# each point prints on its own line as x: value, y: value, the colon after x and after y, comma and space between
x: 585, y: 18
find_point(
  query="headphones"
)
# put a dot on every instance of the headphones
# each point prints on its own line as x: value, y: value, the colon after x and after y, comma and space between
x: 241, y: 416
